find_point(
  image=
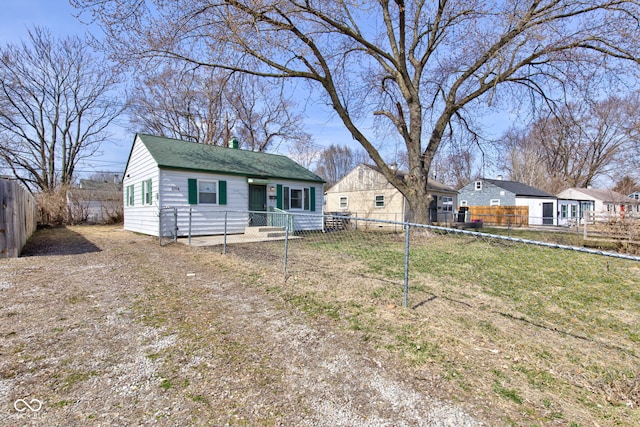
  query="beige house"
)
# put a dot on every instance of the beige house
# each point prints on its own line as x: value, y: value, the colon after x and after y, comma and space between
x: 365, y: 192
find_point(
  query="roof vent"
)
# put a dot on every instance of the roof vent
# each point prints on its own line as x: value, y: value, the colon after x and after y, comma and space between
x: 233, y: 143
x: 499, y: 177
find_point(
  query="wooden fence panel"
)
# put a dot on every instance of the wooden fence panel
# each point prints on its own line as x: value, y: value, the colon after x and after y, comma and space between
x: 515, y: 216
x: 18, y: 218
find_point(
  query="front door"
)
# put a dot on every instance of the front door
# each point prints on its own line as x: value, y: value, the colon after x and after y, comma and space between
x: 547, y: 213
x: 257, y: 204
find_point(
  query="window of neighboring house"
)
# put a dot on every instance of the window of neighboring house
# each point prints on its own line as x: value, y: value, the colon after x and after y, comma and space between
x: 494, y: 202
x: 447, y: 204
x: 563, y: 211
x: 130, y: 195
x: 208, y: 192
x: 379, y: 201
x: 478, y: 185
x: 344, y: 202
x: 147, y: 195
x: 574, y: 211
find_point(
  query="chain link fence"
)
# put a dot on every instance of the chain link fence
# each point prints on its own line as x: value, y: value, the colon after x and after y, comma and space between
x: 404, y: 263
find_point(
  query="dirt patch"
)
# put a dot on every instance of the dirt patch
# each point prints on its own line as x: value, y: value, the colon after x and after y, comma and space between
x: 104, y: 327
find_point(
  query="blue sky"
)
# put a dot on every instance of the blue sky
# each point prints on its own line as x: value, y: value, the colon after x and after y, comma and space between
x: 17, y: 17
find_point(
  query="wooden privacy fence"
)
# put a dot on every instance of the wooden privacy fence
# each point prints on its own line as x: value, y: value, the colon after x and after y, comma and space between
x: 515, y: 216
x: 18, y: 218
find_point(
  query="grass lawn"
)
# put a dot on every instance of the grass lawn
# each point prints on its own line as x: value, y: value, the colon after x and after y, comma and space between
x: 530, y: 335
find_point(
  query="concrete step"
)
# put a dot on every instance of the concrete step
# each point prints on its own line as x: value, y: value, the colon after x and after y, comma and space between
x: 264, y: 231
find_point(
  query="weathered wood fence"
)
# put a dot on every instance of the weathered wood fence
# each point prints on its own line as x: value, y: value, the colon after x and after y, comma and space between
x: 515, y: 216
x: 18, y: 218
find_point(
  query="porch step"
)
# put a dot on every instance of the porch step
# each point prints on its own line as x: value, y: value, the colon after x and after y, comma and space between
x: 264, y: 231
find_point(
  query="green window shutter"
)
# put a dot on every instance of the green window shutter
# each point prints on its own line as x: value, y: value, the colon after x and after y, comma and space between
x: 193, y: 191
x: 142, y: 198
x: 222, y: 190
x: 312, y: 198
x: 127, y: 197
x: 279, y: 196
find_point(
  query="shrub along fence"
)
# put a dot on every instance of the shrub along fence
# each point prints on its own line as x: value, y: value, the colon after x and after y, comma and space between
x: 18, y: 219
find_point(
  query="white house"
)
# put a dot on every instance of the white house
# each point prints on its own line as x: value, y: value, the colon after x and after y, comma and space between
x: 200, y: 188
x: 605, y: 204
x: 365, y: 192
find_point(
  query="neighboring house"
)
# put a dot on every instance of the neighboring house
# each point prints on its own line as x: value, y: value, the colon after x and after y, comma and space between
x: 96, y: 201
x: 538, y: 207
x: 604, y: 204
x: 201, y: 182
x: 365, y: 192
x: 635, y: 195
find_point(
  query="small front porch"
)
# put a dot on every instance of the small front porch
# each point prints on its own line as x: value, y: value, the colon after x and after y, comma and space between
x: 250, y: 235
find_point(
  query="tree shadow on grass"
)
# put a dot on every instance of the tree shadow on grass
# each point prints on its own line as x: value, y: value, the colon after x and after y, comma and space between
x: 57, y: 241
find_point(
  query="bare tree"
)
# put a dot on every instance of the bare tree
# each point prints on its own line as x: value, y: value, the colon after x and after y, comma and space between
x: 338, y: 160
x: 211, y: 106
x: 456, y: 163
x: 264, y: 117
x: 179, y: 103
x: 305, y: 152
x: 626, y: 185
x: 54, y: 108
x: 421, y: 67
x: 576, y: 145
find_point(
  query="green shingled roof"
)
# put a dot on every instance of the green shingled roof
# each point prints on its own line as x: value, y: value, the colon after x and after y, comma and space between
x: 176, y: 154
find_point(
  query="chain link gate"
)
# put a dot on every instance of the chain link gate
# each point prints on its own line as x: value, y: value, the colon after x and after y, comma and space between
x: 168, y: 225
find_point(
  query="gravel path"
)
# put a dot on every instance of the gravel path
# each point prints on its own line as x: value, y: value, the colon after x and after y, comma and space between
x: 104, y: 327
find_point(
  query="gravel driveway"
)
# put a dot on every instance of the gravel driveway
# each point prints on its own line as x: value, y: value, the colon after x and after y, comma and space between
x: 100, y: 326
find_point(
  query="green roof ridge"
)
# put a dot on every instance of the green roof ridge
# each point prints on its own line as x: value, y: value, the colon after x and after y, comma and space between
x: 178, y: 154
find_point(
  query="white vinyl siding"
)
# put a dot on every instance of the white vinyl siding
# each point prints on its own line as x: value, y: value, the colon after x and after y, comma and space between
x: 170, y: 189
x: 140, y: 216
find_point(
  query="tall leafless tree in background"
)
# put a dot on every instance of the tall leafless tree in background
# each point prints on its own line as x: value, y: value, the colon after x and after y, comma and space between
x: 576, y: 145
x: 181, y: 104
x: 210, y: 106
x: 54, y: 108
x: 422, y: 68
x: 338, y: 160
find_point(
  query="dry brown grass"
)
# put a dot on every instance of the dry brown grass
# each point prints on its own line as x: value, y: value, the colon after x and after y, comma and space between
x: 106, y: 327
x: 536, y: 352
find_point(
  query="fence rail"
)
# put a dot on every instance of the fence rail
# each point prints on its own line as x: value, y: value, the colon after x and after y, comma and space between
x: 18, y: 217
x: 381, y: 251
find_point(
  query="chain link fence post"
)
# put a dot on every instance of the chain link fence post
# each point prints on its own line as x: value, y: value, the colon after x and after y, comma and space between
x: 286, y: 242
x: 406, y: 264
